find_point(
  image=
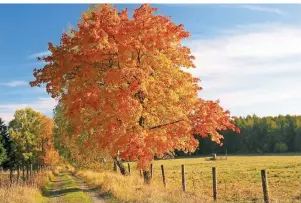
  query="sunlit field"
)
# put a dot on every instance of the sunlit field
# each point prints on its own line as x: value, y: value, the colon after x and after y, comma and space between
x: 238, y: 177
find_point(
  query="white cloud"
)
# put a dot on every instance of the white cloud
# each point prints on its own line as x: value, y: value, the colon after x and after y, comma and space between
x: 263, y: 9
x: 43, y: 105
x: 15, y: 83
x: 6, y: 117
x: 39, y: 54
x: 251, y: 66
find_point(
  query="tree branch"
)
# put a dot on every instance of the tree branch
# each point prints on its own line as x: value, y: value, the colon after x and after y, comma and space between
x: 162, y: 125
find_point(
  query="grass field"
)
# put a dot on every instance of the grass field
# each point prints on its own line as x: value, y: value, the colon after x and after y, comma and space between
x: 238, y: 177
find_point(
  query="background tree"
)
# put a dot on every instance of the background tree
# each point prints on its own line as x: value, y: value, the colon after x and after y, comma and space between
x: 70, y: 147
x: 258, y: 135
x: 23, y: 130
x: 4, y: 142
x: 31, y: 140
x: 44, y: 138
x: 3, y: 155
x: 51, y: 156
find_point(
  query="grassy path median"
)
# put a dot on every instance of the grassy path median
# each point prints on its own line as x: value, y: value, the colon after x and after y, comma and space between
x: 64, y: 189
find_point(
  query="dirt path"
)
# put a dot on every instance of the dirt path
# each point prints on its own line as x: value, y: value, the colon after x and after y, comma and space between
x: 66, y: 188
x: 54, y: 193
x: 90, y: 190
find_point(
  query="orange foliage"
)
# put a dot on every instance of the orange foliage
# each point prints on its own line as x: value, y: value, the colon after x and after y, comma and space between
x: 51, y: 156
x: 45, y: 131
x: 121, y: 80
x: 45, y: 139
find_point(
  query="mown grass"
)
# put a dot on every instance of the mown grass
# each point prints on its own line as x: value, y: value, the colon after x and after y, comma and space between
x: 72, y: 192
x: 63, y: 187
x: 238, y: 180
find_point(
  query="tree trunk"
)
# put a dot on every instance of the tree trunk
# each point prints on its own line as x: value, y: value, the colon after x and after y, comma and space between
x: 115, y: 166
x: 23, y: 171
x: 27, y: 170
x: 120, y: 165
x: 18, y: 174
x: 147, y: 177
x: 11, y: 175
x: 30, y: 169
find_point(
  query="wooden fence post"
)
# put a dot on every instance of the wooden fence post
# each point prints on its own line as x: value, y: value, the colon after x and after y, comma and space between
x: 264, y: 180
x: 151, y: 170
x: 183, y: 179
x: 114, y: 166
x: 129, y: 167
x: 163, y: 175
x: 214, y: 183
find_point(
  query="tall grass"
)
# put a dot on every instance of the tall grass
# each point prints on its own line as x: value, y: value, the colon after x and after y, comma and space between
x: 22, y: 191
x: 132, y: 189
x: 238, y: 180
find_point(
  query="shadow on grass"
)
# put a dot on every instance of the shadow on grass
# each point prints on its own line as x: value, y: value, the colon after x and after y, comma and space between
x: 55, y: 190
x: 94, y: 189
x: 105, y: 195
x: 57, y: 193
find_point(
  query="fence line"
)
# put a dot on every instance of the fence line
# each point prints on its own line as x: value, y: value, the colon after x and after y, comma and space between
x: 264, y: 181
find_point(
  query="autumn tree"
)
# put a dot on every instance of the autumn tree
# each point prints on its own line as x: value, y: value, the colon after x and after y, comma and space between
x: 51, y: 156
x: 45, y: 143
x: 122, y: 83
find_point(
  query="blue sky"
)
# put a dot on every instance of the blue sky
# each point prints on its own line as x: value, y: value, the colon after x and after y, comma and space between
x: 248, y: 56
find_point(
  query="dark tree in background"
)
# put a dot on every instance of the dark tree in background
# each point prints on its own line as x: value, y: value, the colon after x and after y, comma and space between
x: 257, y: 135
x: 4, y: 144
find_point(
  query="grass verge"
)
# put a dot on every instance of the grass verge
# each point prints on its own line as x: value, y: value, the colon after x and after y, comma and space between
x: 23, y: 192
x: 132, y: 189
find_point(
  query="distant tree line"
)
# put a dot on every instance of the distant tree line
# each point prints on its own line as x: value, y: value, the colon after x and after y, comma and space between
x: 257, y: 135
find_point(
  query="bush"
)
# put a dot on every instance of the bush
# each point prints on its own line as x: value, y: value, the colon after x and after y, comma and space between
x: 281, y: 147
